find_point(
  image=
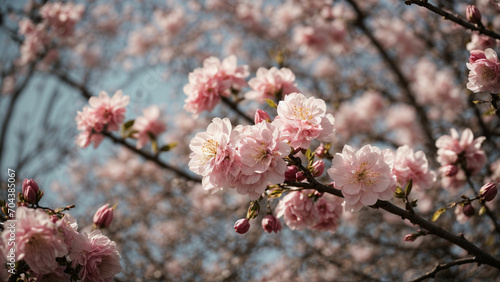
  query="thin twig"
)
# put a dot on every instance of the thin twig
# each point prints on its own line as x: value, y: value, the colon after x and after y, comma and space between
x: 443, y: 266
x: 479, y: 28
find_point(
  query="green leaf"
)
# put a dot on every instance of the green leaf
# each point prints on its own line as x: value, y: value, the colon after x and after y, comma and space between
x: 128, y: 124
x: 408, y: 187
x: 271, y: 103
x: 168, y: 147
x: 276, y: 193
x: 414, y: 203
x: 253, y: 210
x: 482, y: 210
x: 399, y: 193
x: 438, y: 213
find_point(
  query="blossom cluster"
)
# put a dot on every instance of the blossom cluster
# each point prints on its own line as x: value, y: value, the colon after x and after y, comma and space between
x: 41, y: 239
x: 248, y: 158
x: 458, y: 154
x: 484, y: 72
x: 301, y: 211
x: 206, y: 85
x: 103, y: 114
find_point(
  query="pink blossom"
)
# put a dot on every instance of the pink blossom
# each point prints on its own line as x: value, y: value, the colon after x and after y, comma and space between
x: 62, y: 17
x: 271, y: 224
x: 103, y: 216
x: 329, y: 210
x: 480, y: 42
x: 410, y: 165
x: 301, y: 120
x: 97, y: 255
x: 262, y: 153
x: 298, y: 210
x: 450, y: 148
x: 359, y: 114
x: 215, y: 79
x: 484, y: 72
x: 214, y: 155
x: 68, y: 227
x: 271, y: 84
x: 364, y: 176
x: 104, y: 113
x: 36, y: 39
x: 149, y: 124
x: 37, y: 239
x: 261, y: 116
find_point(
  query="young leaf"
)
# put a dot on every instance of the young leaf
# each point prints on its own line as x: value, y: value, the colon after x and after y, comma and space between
x: 271, y: 103
x: 438, y: 213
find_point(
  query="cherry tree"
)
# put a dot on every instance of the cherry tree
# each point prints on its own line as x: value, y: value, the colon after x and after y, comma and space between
x: 229, y: 140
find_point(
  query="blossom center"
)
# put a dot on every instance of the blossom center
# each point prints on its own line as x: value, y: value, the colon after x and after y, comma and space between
x: 209, y: 149
x: 302, y: 113
x: 363, y: 175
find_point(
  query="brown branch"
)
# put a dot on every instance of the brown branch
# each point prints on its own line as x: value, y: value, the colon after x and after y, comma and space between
x: 443, y: 266
x: 401, y: 79
x: 479, y: 28
x: 148, y: 156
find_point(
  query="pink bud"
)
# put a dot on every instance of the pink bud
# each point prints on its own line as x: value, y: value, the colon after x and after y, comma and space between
x: 410, y: 237
x: 318, y: 168
x: 54, y: 218
x: 103, y: 216
x: 290, y: 173
x: 270, y: 223
x: 241, y: 226
x: 300, y: 176
x: 473, y: 15
x: 468, y: 210
x: 261, y: 116
x: 449, y: 170
x: 320, y: 151
x: 30, y: 190
x: 488, y: 191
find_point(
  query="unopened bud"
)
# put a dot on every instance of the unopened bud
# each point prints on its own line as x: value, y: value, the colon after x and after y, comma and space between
x: 30, y: 190
x: 468, y: 210
x: 410, y: 237
x: 449, y: 170
x: 261, y: 116
x: 318, y: 168
x: 488, y: 191
x: 103, y: 216
x: 290, y: 173
x: 271, y: 224
x: 320, y: 151
x: 473, y: 15
x: 241, y: 226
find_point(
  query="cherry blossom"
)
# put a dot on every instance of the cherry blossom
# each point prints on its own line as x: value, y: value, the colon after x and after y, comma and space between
x: 271, y: 84
x: 150, y: 123
x: 484, y: 71
x: 298, y: 210
x: 363, y: 176
x: 413, y: 165
x: 303, y: 119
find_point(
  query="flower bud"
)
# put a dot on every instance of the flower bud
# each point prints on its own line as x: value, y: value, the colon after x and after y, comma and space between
x: 300, y: 176
x: 270, y: 223
x: 30, y: 190
x: 103, y: 216
x: 241, y: 226
x: 290, y: 173
x: 320, y: 151
x: 488, y: 191
x: 449, y: 170
x: 410, y: 237
x: 318, y: 168
x: 261, y: 116
x: 468, y: 210
x: 473, y: 15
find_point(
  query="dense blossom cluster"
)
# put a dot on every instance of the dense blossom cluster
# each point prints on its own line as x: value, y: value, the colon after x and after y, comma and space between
x: 215, y: 79
x: 41, y: 239
x: 104, y: 114
x: 463, y: 153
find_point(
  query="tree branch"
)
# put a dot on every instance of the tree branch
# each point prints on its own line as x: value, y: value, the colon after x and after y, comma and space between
x: 479, y: 28
x: 443, y: 266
